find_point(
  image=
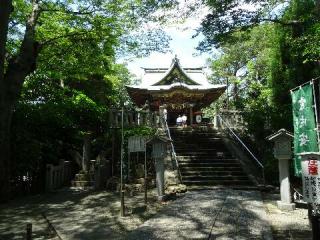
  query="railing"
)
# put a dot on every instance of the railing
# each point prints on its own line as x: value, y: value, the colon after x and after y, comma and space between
x: 243, y: 145
x: 173, y: 152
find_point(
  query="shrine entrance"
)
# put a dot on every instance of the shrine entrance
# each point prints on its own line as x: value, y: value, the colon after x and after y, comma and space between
x: 179, y: 90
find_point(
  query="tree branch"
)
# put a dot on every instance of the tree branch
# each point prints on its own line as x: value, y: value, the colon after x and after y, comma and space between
x: 5, y: 10
x: 67, y: 35
x: 285, y: 23
x: 68, y: 11
x: 24, y: 63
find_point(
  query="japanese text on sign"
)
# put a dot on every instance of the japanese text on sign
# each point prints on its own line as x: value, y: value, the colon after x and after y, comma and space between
x: 311, y: 179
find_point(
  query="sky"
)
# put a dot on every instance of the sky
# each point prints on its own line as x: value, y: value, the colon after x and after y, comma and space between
x: 182, y: 45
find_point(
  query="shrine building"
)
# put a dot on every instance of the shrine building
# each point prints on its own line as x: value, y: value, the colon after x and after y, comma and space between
x: 180, y: 90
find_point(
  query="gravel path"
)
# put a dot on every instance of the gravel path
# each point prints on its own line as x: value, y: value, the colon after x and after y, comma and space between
x: 75, y: 215
x: 293, y: 225
x: 209, y: 214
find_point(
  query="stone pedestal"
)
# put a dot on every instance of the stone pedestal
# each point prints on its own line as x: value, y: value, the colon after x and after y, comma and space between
x: 159, y: 167
x: 282, y: 150
x: 285, y: 203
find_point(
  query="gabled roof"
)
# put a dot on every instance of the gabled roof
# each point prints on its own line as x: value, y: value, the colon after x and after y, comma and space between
x: 175, y: 74
x: 175, y: 85
x: 281, y: 132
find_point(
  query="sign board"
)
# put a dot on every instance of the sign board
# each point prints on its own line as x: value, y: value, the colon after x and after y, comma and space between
x: 159, y: 149
x: 282, y: 148
x: 136, y: 144
x: 310, y: 169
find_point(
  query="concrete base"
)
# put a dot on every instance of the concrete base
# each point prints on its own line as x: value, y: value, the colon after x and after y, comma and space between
x: 286, y: 206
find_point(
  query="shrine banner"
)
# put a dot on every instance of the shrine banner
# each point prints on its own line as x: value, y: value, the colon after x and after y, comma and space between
x: 305, y: 135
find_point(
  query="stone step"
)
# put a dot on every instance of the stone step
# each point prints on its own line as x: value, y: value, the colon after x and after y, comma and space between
x: 198, y: 136
x: 210, y: 164
x: 209, y: 168
x: 82, y: 184
x: 186, y: 148
x: 207, y: 160
x: 191, y: 142
x: 204, y: 155
x: 202, y: 133
x: 218, y: 182
x: 209, y: 178
x: 197, y: 139
x: 213, y: 173
x: 84, y: 177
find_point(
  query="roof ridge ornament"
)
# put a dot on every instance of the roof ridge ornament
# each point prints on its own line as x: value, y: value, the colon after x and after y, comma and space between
x: 175, y: 60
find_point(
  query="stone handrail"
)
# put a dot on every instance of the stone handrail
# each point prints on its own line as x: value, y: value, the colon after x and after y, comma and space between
x: 227, y: 126
x: 173, y: 152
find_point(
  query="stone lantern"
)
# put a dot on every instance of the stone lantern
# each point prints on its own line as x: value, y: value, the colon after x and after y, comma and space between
x: 283, y: 152
x: 159, y: 152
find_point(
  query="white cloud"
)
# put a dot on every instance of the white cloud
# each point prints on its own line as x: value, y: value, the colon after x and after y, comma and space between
x: 182, y: 44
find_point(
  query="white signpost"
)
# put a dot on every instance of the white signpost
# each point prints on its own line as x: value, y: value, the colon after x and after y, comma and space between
x: 310, y: 167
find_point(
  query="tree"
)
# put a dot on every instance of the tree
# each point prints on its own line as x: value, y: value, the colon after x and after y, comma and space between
x: 30, y: 29
x: 280, y: 53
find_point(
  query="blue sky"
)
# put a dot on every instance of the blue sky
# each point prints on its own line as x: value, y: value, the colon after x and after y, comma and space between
x: 182, y: 45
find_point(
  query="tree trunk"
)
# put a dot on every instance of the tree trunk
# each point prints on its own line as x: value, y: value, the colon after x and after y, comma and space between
x: 5, y: 107
x: 86, y: 152
x: 5, y: 124
x: 11, y: 81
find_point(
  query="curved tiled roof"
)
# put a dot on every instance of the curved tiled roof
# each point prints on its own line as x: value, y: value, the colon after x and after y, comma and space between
x: 162, y: 84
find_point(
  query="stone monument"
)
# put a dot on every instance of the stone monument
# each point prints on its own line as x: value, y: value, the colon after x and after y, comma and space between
x: 283, y: 152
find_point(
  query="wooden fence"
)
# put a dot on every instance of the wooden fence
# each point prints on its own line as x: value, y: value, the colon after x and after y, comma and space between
x: 57, y: 176
x: 134, y: 118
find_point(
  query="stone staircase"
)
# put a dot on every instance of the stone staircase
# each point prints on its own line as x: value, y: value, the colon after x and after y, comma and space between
x: 204, y: 159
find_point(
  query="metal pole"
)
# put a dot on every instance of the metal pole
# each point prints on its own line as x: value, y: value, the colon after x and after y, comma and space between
x: 316, y: 112
x: 315, y: 227
x: 122, y: 210
x: 29, y: 231
x: 128, y: 165
x: 145, y: 178
x: 315, y: 219
x: 227, y: 93
x: 113, y: 152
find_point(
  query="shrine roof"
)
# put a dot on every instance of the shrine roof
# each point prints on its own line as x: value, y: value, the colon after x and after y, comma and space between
x: 177, y: 85
x: 165, y: 78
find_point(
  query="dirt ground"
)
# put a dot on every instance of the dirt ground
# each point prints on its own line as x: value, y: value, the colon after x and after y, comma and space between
x: 293, y: 225
x: 74, y: 214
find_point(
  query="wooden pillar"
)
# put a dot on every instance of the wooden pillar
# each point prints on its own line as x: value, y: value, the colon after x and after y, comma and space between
x: 191, y: 114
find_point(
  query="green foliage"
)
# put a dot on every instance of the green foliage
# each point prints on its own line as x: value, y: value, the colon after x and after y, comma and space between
x: 139, y: 131
x: 49, y: 121
x: 262, y: 61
